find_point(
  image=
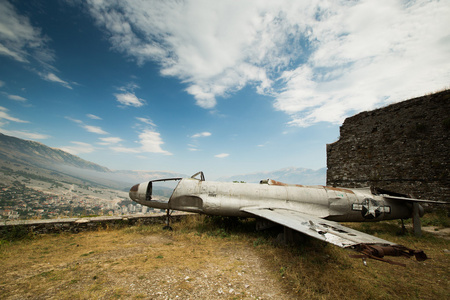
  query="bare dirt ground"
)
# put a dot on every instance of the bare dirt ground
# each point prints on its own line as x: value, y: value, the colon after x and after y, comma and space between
x: 440, y: 232
x: 105, y: 265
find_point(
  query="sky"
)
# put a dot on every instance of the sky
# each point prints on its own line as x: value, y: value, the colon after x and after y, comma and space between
x: 226, y: 87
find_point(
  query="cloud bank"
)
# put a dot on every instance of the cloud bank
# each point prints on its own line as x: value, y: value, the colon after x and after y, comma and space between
x: 319, y: 60
x: 19, y: 40
x: 25, y: 43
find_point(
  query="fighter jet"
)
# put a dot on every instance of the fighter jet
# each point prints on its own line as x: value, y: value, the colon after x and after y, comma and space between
x: 311, y: 210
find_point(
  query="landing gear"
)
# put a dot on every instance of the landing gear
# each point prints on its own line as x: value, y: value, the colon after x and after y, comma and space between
x: 168, y: 217
x: 403, y: 228
x: 417, y: 226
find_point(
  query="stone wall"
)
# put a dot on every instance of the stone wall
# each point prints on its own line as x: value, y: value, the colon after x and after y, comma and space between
x: 403, y: 147
x: 76, y: 225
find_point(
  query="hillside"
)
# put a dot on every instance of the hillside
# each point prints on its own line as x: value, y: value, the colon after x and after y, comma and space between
x: 36, y: 165
x: 32, y: 160
x: 36, y: 154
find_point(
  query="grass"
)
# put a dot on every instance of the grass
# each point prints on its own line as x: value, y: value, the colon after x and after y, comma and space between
x: 439, y: 219
x: 142, y: 262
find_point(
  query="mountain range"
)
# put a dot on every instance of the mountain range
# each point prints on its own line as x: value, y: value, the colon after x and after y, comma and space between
x: 37, y: 159
x: 33, y: 153
x: 287, y: 175
x: 41, y: 160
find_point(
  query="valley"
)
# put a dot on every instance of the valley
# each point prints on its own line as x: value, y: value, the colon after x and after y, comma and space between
x: 40, y: 182
x: 34, y: 193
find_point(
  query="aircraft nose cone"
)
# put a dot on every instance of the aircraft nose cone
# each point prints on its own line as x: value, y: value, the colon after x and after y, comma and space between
x: 134, y: 192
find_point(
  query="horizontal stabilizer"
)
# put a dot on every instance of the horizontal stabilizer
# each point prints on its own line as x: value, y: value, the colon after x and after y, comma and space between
x: 413, y: 200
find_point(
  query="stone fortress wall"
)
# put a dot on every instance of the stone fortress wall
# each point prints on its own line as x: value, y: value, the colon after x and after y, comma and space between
x: 403, y: 147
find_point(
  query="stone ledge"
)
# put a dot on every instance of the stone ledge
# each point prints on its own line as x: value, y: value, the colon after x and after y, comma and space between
x: 75, y: 225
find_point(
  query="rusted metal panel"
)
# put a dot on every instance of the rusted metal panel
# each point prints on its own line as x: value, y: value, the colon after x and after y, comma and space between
x: 339, y: 189
x: 274, y: 182
x: 134, y: 188
x: 378, y: 252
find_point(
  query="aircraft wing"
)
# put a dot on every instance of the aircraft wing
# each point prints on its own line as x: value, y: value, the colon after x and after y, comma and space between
x: 334, y: 233
x: 327, y: 231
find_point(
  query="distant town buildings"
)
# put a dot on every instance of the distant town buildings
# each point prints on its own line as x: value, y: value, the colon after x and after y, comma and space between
x: 20, y: 202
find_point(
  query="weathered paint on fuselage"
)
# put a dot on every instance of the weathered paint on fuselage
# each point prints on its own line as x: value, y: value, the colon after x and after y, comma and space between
x: 227, y: 199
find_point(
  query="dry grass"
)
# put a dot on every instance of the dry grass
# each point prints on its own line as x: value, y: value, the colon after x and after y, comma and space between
x: 317, y: 270
x: 215, y: 259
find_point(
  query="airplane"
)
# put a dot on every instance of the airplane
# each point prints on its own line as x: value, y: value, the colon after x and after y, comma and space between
x: 311, y: 210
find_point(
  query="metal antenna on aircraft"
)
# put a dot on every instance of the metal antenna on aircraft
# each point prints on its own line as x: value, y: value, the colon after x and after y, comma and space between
x: 168, y: 217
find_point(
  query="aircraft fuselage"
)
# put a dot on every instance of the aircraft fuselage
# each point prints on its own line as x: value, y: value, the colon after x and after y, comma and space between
x: 227, y: 199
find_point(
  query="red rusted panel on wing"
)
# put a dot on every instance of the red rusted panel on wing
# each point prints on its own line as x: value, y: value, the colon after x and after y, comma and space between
x: 274, y: 182
x: 339, y: 189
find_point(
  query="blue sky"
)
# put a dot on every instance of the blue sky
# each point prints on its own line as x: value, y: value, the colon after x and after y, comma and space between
x: 227, y: 87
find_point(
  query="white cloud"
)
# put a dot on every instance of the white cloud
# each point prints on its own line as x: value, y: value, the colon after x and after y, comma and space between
x: 319, y: 60
x: 19, y: 40
x: 25, y: 134
x: 122, y: 149
x: 78, y: 148
x: 129, y: 87
x: 150, y: 142
x: 17, y: 98
x: 74, y: 120
x: 194, y: 137
x: 367, y: 55
x: 94, y: 129
x: 146, y: 121
x: 5, y: 118
x: 93, y: 117
x: 110, y: 140
x: 89, y: 128
x: 2, y: 83
x: 222, y: 155
x: 4, y: 115
x: 196, y: 41
x: 53, y: 78
x: 201, y: 134
x: 192, y: 148
x: 129, y: 99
